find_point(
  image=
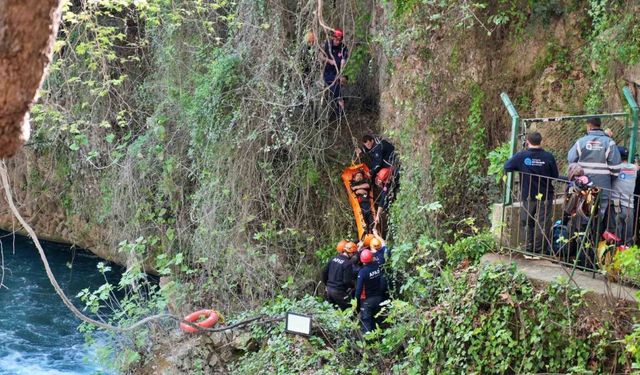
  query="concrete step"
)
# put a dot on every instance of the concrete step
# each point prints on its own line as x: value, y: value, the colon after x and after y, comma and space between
x: 545, y: 271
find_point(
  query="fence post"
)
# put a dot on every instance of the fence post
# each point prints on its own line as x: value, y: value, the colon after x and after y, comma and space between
x: 515, y: 127
x: 633, y: 106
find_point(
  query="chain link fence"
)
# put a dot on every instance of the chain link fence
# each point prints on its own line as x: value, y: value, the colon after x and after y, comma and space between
x: 560, y: 134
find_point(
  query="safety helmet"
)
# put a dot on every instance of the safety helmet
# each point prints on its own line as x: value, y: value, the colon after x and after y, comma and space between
x: 366, y: 240
x: 383, y: 176
x: 350, y: 247
x: 310, y: 37
x: 366, y: 256
x: 338, y: 33
x: 375, y: 244
x: 340, y: 246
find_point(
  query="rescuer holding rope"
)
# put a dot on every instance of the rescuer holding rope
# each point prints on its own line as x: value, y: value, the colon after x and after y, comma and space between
x: 380, y: 153
x: 335, y: 55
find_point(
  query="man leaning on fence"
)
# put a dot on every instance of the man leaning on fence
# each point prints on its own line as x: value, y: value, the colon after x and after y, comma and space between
x: 537, y: 167
x: 598, y: 155
x: 622, y: 189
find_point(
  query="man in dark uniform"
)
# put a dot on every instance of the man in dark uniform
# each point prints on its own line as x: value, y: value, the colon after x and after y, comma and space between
x: 369, y: 290
x: 339, y: 278
x: 598, y: 155
x: 334, y: 56
x: 537, y: 167
x: 380, y: 153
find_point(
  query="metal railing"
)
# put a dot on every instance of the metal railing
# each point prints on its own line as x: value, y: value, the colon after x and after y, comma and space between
x: 568, y: 222
x: 560, y: 132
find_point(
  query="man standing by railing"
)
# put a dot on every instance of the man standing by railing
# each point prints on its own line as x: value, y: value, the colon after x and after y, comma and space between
x: 598, y: 155
x: 622, y: 197
x: 536, y: 167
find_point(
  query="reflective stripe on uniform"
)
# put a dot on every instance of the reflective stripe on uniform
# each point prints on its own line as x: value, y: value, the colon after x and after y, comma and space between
x: 588, y: 171
x: 584, y: 164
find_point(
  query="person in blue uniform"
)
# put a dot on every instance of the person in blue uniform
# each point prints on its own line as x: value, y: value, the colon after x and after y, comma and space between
x: 537, y: 169
x: 369, y: 290
x: 339, y: 278
x: 335, y: 55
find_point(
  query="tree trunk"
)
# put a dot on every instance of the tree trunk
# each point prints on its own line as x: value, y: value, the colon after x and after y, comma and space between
x: 27, y: 31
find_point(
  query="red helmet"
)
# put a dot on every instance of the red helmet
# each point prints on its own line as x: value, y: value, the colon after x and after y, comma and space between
x: 338, y: 33
x: 383, y: 176
x: 366, y: 256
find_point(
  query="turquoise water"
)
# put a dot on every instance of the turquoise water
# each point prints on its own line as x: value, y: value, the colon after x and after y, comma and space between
x: 38, y: 334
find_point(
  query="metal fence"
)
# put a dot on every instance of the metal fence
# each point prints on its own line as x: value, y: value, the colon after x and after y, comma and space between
x: 561, y: 132
x: 568, y: 222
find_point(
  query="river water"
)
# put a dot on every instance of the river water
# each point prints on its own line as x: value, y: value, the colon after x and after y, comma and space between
x: 38, y: 334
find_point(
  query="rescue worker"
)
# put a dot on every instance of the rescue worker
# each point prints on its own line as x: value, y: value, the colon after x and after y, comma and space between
x: 381, y: 153
x: 536, y: 167
x: 366, y: 240
x: 622, y: 189
x: 362, y: 189
x: 598, y: 155
x: 339, y: 278
x: 354, y: 250
x: 381, y: 254
x: 334, y: 56
x: 379, y: 249
x: 369, y: 291
x: 308, y: 59
x: 385, y: 194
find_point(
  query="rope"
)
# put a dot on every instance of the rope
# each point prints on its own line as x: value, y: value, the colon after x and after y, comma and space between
x: 74, y: 309
x: 321, y: 18
x: 52, y: 279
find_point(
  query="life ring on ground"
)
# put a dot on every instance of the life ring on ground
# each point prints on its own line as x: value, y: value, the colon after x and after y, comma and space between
x: 211, y: 316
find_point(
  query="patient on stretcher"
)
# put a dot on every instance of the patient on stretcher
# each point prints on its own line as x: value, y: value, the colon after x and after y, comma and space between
x: 362, y: 187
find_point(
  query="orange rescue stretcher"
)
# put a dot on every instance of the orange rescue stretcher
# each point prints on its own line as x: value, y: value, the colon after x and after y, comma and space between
x: 347, y: 175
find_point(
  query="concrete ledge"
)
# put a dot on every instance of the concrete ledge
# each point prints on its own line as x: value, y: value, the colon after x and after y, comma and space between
x: 546, y: 272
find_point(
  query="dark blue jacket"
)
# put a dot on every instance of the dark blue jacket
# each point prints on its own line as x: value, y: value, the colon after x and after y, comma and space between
x: 534, y: 161
x: 382, y: 200
x: 379, y: 256
x: 380, y: 155
x: 338, y: 54
x: 370, y: 282
x: 338, y: 274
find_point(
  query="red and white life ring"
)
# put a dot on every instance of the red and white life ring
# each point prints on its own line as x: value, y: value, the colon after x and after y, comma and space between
x: 211, y: 316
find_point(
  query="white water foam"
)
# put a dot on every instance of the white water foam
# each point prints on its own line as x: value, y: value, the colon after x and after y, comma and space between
x: 17, y: 364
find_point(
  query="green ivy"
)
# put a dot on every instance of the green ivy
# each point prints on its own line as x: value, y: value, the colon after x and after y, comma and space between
x: 471, y: 248
x: 497, y: 157
x: 476, y: 132
x: 491, y: 320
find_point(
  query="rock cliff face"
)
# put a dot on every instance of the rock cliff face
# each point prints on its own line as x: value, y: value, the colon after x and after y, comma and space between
x: 429, y: 72
x: 28, y: 29
x: 27, y: 33
x: 44, y: 208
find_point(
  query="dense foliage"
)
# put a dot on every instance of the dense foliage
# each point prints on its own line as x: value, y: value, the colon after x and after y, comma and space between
x: 196, y: 136
x: 488, y: 320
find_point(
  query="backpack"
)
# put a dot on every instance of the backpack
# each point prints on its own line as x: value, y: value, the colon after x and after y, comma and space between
x: 560, y: 235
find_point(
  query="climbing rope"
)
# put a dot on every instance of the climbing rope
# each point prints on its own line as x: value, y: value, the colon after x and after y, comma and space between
x: 261, y: 319
x: 321, y: 18
x: 52, y: 279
